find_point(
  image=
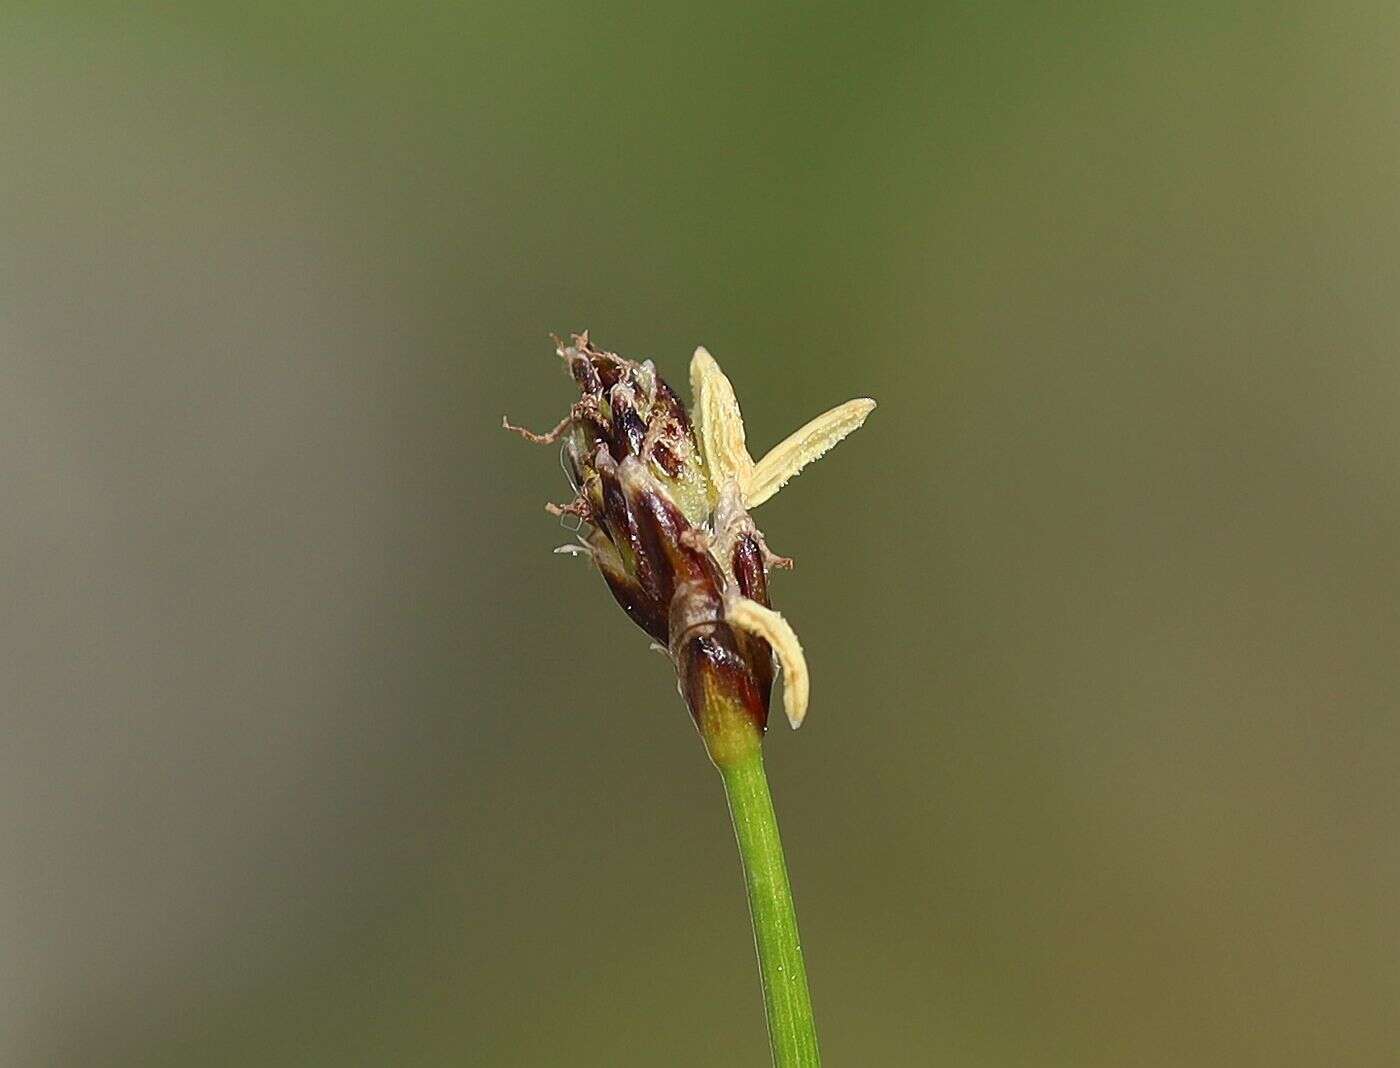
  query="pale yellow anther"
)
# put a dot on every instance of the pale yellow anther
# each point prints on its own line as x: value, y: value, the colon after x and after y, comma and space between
x: 718, y: 422
x: 774, y: 629
x: 719, y: 425
x: 797, y: 450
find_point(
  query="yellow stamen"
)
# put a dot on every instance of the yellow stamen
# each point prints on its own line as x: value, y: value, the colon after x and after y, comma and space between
x: 718, y: 422
x: 797, y: 450
x: 775, y: 630
x: 719, y: 426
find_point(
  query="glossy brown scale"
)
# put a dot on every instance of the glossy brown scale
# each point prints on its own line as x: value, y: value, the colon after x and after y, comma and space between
x: 674, y: 427
x: 595, y: 371
x: 585, y: 375
x: 629, y: 430
x: 666, y: 459
x: 611, y: 370
x: 668, y: 534
x: 648, y: 613
x: 667, y: 402
x: 709, y: 661
x: 653, y: 573
x: 749, y: 569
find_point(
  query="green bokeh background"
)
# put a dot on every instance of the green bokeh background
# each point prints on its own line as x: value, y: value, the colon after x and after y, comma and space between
x: 314, y: 755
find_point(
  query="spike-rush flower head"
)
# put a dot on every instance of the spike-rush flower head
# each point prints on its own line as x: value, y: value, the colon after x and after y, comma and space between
x: 664, y: 497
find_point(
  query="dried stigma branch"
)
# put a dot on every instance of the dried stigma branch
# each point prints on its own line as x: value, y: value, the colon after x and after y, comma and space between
x: 665, y: 498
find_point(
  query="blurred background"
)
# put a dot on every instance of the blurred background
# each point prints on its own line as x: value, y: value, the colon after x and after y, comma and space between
x: 313, y: 754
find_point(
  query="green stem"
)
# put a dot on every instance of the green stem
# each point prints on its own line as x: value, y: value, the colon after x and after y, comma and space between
x: 791, y: 1030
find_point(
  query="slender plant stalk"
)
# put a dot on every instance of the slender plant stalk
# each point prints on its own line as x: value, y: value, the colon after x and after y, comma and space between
x: 792, y: 1033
